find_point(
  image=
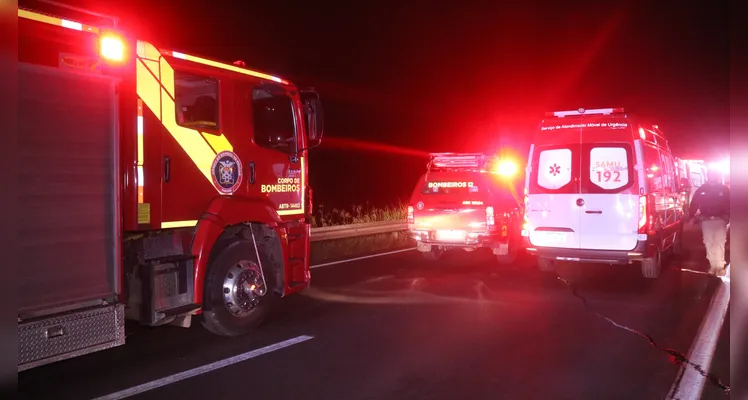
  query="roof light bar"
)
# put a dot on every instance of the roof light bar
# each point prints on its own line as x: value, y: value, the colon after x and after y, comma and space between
x: 582, y: 111
x: 457, y: 160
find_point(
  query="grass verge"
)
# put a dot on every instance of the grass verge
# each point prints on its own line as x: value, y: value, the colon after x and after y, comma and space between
x: 357, y: 214
x: 341, y: 249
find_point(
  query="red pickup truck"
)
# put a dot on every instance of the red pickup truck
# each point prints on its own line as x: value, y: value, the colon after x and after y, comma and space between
x: 467, y: 201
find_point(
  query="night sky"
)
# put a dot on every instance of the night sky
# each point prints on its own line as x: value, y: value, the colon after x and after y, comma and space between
x: 460, y: 75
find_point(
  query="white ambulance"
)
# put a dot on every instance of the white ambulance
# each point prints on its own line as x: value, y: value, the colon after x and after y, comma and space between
x: 601, y: 187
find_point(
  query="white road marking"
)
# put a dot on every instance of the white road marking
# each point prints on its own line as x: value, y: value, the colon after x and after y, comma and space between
x: 203, y: 369
x: 362, y: 258
x: 689, y: 383
x: 694, y: 271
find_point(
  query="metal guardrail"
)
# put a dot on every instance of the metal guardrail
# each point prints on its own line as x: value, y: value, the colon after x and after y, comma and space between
x: 353, y: 230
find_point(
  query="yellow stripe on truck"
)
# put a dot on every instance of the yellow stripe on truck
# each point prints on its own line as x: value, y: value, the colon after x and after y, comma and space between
x: 57, y: 21
x: 301, y: 189
x: 178, y: 224
x: 155, y: 86
x: 159, y: 98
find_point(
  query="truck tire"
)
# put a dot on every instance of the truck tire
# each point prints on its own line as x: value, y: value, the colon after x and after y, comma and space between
x: 434, y: 255
x: 510, y: 258
x: 230, y: 306
x: 546, y: 264
x: 652, y: 266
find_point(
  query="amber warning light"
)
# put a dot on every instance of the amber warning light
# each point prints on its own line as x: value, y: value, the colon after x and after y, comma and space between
x: 506, y: 168
x: 112, y: 48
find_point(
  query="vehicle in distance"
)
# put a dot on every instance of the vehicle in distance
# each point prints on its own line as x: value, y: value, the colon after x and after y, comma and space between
x: 466, y: 201
x: 601, y: 187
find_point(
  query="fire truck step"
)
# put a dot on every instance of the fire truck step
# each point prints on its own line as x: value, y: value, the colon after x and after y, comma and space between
x: 185, y: 309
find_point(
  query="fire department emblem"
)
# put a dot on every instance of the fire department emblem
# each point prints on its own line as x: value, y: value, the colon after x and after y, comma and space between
x: 226, y: 172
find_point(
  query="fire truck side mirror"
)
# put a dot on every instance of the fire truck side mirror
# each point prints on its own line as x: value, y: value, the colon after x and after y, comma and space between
x: 313, y: 117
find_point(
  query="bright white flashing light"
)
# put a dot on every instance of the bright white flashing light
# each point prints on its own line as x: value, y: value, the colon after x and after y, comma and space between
x: 582, y: 111
x: 506, y: 168
x: 722, y: 167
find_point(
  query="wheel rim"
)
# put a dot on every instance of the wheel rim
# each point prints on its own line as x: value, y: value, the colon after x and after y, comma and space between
x: 243, y: 287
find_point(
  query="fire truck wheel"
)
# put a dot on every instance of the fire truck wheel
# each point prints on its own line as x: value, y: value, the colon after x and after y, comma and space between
x: 236, y: 299
x: 546, y: 264
x: 651, y: 266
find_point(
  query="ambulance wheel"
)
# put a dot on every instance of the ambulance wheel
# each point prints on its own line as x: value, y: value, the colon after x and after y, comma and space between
x: 652, y: 266
x: 434, y: 255
x: 235, y: 299
x: 546, y: 264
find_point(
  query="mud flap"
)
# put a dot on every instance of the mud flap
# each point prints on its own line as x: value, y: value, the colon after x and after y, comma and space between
x: 502, y: 250
x: 423, y: 247
x: 298, y: 250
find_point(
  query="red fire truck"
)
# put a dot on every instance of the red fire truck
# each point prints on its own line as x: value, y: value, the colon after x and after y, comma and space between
x: 467, y: 201
x: 165, y: 186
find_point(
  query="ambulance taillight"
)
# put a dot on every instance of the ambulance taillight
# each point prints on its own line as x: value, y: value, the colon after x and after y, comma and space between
x: 645, y: 217
x: 411, y: 217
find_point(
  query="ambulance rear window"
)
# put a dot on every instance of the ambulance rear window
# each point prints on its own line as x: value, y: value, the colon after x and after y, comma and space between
x: 554, y: 169
x: 609, y: 167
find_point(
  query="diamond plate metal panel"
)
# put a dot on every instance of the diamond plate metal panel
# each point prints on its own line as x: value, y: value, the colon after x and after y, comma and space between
x: 57, y: 338
x: 163, y: 245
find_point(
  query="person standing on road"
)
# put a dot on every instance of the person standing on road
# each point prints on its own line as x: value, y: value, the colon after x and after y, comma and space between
x: 712, y: 201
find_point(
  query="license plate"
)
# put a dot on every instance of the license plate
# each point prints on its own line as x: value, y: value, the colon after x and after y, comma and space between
x: 451, y: 236
x: 556, y: 237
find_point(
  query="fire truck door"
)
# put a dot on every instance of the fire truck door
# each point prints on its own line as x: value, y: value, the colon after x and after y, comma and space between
x: 274, y: 168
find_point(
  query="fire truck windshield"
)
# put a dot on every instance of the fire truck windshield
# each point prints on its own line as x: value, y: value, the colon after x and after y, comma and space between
x: 273, y: 120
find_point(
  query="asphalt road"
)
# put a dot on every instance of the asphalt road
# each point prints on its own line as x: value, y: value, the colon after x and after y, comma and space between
x: 397, y: 327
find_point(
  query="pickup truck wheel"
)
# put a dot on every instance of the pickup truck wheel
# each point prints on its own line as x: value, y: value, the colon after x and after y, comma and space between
x: 546, y: 264
x: 435, y: 254
x: 236, y: 299
x: 652, y: 266
x: 510, y: 257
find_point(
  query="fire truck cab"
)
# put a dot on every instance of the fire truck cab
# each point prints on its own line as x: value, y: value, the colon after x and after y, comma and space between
x: 466, y: 201
x: 601, y: 187
x: 165, y: 186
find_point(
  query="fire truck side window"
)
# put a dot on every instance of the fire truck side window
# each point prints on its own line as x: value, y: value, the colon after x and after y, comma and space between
x: 196, y: 100
x: 273, y: 119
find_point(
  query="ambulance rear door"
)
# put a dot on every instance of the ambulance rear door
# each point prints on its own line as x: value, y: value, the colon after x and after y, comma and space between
x: 552, y: 216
